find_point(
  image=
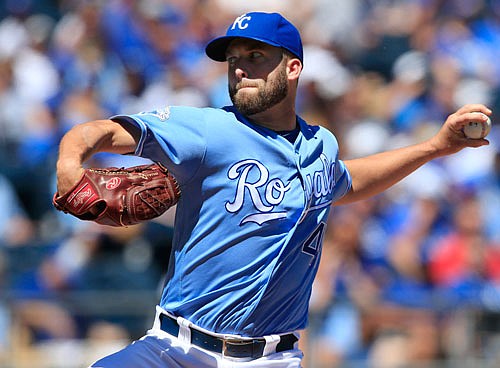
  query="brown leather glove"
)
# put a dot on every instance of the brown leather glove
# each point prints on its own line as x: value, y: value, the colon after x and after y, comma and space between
x: 120, y: 196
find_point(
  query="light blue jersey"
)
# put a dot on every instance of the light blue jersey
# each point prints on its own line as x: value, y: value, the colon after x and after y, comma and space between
x: 251, y: 218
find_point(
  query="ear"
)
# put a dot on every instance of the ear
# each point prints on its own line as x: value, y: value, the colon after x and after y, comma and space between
x: 294, y: 68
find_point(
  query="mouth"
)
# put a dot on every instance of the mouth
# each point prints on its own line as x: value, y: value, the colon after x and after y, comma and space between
x: 244, y: 85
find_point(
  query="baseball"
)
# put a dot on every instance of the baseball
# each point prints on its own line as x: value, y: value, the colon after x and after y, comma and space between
x: 476, y: 130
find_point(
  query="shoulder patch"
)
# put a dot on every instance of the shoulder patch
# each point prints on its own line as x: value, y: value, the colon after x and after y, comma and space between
x: 162, y: 114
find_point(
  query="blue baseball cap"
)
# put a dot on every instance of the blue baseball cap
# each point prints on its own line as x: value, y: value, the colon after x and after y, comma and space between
x: 270, y: 28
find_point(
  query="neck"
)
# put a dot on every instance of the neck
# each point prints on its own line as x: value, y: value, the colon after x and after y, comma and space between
x: 281, y: 117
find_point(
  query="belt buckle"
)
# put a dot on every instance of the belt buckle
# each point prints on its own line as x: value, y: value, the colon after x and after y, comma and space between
x: 232, y: 341
x: 225, y: 341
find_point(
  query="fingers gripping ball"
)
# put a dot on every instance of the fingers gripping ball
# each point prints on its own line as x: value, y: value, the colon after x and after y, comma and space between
x: 477, y: 130
x: 121, y: 196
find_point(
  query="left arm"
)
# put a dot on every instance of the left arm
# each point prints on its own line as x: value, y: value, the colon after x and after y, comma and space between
x: 373, y: 174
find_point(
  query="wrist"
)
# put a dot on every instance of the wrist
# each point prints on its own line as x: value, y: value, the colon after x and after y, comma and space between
x: 433, y: 149
x: 69, y: 172
x: 68, y: 164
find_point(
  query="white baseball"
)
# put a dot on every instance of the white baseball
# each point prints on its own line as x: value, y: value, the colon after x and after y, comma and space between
x: 476, y: 130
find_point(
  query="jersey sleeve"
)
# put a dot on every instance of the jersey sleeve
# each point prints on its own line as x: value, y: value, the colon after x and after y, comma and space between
x: 343, y: 181
x: 174, y: 136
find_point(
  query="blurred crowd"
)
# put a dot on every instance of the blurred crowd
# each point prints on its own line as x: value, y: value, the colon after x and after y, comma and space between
x: 411, y: 276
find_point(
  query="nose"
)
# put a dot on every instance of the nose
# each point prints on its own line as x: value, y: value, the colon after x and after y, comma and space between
x: 240, y: 73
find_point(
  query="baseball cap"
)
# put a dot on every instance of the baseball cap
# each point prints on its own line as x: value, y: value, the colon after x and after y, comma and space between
x: 270, y: 28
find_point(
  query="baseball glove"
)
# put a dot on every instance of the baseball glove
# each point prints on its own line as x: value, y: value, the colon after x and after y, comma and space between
x: 120, y: 196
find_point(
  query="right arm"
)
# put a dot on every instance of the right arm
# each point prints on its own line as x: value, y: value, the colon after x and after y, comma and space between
x: 84, y: 140
x: 374, y: 174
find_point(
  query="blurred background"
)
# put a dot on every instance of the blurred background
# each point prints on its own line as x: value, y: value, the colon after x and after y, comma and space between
x: 410, y: 278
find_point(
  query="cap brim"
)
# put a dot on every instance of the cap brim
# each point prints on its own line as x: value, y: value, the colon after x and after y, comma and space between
x: 216, y: 49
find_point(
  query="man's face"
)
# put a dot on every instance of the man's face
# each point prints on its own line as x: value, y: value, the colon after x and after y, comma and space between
x: 257, y: 75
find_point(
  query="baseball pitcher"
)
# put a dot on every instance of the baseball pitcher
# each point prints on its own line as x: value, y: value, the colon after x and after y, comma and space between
x: 255, y: 186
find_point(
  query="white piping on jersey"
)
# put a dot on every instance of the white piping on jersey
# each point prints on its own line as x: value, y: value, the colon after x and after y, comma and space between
x: 314, y: 208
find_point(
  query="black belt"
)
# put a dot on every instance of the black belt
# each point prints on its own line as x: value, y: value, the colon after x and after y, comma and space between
x: 235, y: 348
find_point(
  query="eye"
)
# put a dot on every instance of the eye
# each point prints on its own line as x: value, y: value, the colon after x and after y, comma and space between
x: 231, y: 60
x: 255, y: 55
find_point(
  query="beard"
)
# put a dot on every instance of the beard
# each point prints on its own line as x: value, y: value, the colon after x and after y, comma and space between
x: 269, y: 93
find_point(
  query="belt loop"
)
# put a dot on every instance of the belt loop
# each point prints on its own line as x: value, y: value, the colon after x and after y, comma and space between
x: 157, y: 322
x: 184, y: 330
x: 271, y: 343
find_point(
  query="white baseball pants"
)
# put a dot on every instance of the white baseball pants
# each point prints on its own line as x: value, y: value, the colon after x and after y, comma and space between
x: 158, y: 349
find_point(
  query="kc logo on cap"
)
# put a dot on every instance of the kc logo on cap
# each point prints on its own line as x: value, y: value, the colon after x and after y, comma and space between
x: 270, y: 28
x: 241, y: 22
